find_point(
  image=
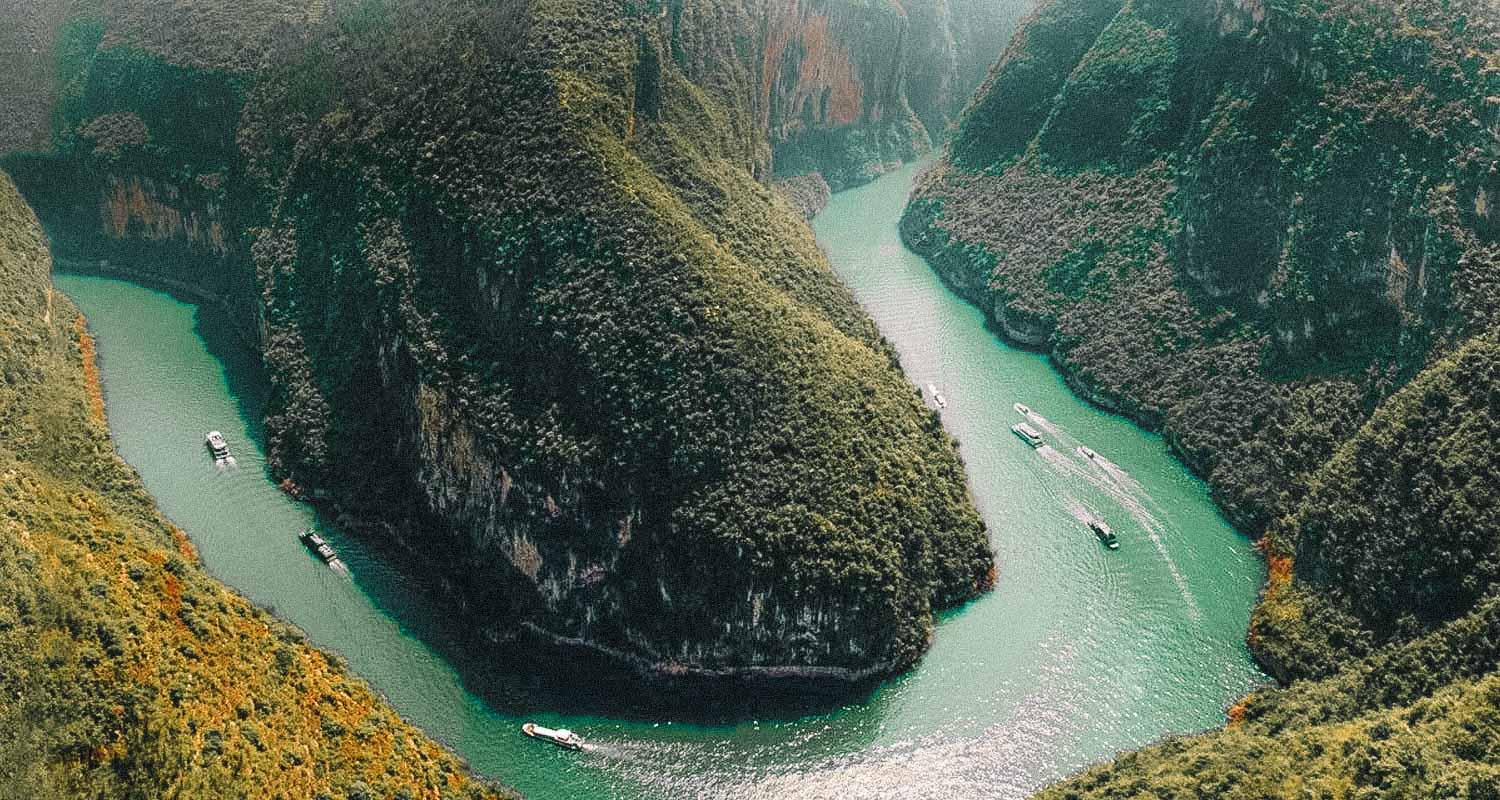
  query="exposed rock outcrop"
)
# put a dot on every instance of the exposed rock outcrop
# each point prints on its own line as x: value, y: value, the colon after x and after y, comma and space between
x: 620, y: 401
x: 852, y: 89
x: 808, y: 193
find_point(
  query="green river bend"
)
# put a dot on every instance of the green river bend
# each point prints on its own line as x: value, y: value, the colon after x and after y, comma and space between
x: 1078, y: 653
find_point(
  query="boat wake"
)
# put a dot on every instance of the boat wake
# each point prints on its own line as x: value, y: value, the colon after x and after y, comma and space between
x: 1043, y: 423
x: 1116, y: 473
x: 1133, y: 504
x: 1007, y: 760
x: 1077, y: 510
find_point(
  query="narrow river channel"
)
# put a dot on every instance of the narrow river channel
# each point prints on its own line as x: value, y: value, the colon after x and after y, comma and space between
x: 1079, y: 652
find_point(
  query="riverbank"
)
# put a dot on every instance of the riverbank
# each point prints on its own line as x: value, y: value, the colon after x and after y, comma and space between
x: 1008, y: 699
x: 125, y: 667
x: 960, y: 267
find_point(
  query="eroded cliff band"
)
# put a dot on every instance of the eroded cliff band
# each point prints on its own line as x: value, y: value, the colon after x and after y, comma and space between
x: 572, y: 361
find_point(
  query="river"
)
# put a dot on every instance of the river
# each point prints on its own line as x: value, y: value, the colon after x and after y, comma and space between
x: 1078, y: 653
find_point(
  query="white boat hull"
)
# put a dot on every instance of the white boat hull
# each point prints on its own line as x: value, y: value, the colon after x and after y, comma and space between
x: 565, y: 739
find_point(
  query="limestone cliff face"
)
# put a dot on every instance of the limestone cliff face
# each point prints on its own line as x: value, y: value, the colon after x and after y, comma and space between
x: 137, y: 207
x: 850, y: 89
x: 834, y: 90
x: 547, y: 557
x: 550, y: 333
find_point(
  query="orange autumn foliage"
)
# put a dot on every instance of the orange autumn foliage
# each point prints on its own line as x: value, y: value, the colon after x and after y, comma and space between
x: 90, y: 370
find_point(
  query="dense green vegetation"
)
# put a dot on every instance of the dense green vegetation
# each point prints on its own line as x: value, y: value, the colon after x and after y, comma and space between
x: 1439, y: 746
x: 30, y: 87
x: 1397, y: 533
x: 585, y: 303
x: 125, y: 671
x: 1267, y: 229
x: 144, y: 121
x: 520, y: 254
x: 1214, y: 275
x: 1404, y: 518
x: 1015, y: 101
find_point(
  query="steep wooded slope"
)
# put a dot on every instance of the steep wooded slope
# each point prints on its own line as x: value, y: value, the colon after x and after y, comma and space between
x: 125, y: 671
x: 1268, y: 230
x: 1245, y: 224
x: 608, y: 369
x: 1398, y: 525
x: 521, y: 257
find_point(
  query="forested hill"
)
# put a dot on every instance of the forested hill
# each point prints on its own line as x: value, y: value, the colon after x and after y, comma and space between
x: 524, y: 256
x: 1268, y: 229
x: 125, y: 670
x: 610, y: 365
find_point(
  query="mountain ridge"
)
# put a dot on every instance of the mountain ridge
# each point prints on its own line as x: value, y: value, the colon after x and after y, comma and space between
x: 1265, y: 230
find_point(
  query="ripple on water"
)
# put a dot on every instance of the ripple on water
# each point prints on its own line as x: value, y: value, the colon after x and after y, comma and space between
x: 1077, y: 653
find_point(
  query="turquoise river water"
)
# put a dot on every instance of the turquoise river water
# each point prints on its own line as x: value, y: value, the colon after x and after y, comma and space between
x: 1078, y: 653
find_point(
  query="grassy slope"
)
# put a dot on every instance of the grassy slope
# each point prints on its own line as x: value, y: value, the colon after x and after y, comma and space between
x: 1254, y: 235
x: 670, y: 347
x: 125, y: 671
x: 1438, y: 746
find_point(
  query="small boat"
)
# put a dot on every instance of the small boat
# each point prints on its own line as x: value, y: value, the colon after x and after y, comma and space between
x: 937, y: 396
x: 1106, y: 536
x: 1027, y: 433
x: 1087, y: 453
x: 216, y: 445
x: 1023, y: 410
x: 320, y: 547
x: 563, y: 738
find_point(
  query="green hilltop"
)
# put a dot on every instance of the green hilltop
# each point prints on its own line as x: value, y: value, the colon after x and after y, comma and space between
x: 522, y: 256
x: 569, y: 282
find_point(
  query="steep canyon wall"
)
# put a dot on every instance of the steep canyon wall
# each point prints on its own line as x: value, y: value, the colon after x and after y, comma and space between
x: 590, y: 450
